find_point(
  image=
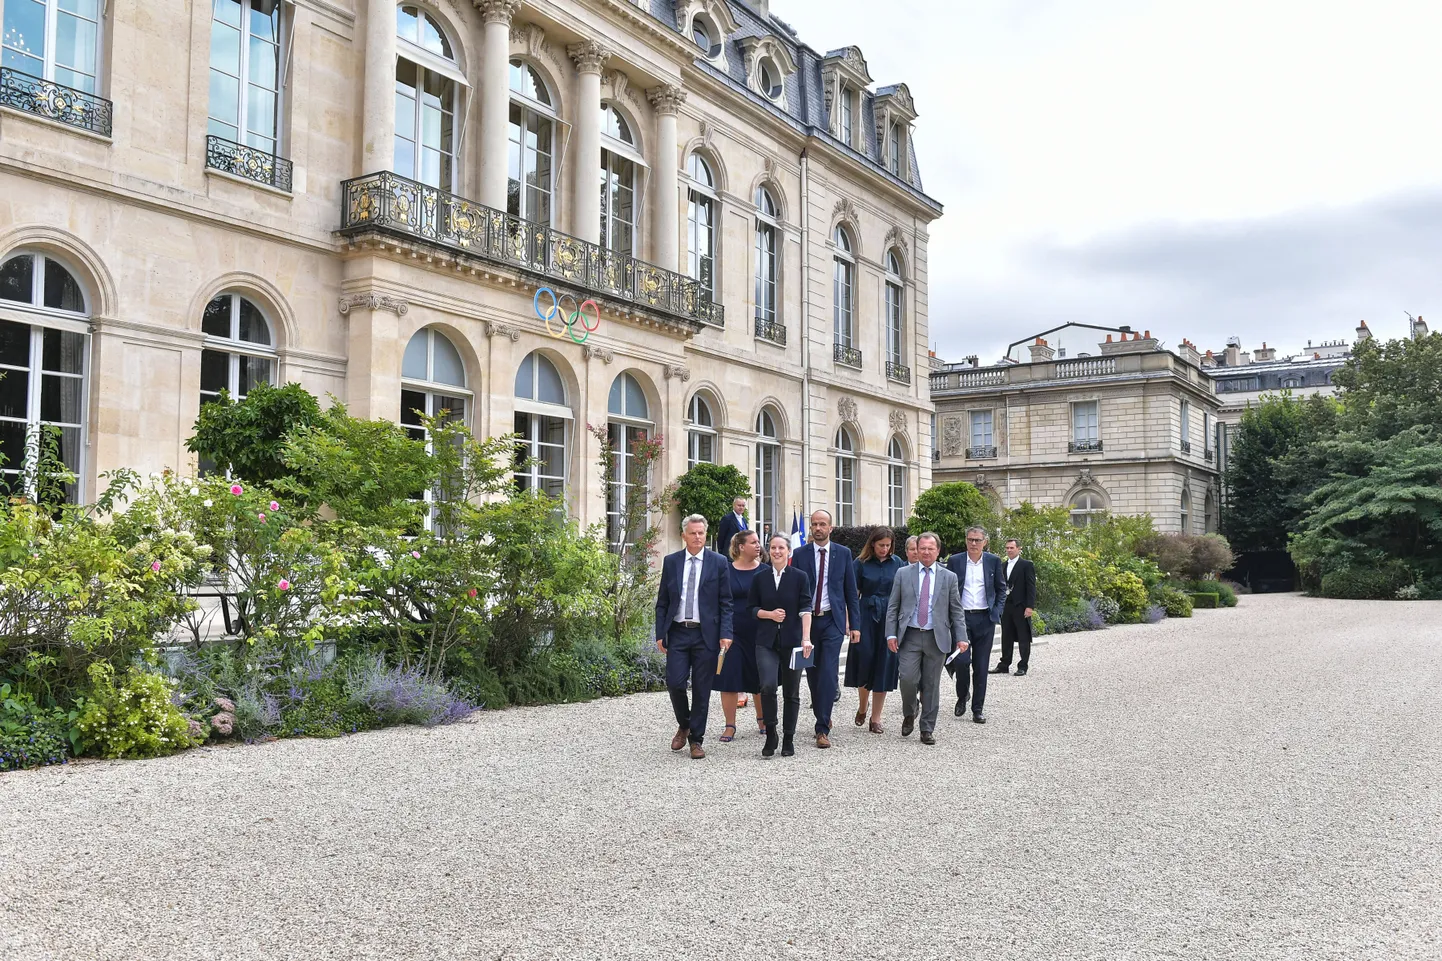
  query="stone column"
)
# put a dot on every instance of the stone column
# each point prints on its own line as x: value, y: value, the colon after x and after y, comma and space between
x: 590, y: 57
x: 666, y: 226
x: 495, y: 97
x: 373, y: 355
x: 378, y: 122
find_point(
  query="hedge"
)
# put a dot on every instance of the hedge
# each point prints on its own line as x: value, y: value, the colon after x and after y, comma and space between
x: 1207, y: 600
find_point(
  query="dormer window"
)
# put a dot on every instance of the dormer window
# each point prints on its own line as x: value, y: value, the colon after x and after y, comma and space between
x: 894, y: 141
x: 706, y: 36
x: 770, y: 79
x: 848, y: 117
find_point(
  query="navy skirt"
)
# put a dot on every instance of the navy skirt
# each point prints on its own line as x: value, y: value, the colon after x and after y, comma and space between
x: 871, y: 663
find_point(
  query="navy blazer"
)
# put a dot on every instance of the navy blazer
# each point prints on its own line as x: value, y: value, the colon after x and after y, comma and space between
x: 713, y: 600
x: 793, y: 596
x: 840, y: 586
x: 993, y: 570
x: 727, y: 529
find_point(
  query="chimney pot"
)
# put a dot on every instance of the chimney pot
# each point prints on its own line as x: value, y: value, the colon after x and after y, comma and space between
x: 1149, y: 335
x: 1109, y: 337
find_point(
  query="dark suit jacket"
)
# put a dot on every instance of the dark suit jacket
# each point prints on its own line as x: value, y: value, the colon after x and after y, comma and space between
x: 1021, y: 585
x: 727, y: 529
x: 840, y: 585
x: 713, y: 596
x: 993, y: 570
x: 793, y: 596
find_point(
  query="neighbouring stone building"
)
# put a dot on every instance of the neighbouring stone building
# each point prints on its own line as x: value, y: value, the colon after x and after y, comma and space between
x: 369, y: 198
x: 1128, y: 430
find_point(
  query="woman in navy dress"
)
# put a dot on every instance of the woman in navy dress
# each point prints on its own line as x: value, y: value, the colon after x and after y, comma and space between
x: 871, y: 666
x: 738, y: 673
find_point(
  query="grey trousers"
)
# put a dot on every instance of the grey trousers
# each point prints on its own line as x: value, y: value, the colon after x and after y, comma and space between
x: 921, y: 664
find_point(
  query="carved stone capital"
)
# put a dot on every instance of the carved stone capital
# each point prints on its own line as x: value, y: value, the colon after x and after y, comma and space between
x: 372, y: 302
x: 677, y: 370
x: 497, y: 11
x: 846, y: 407
x: 494, y: 329
x: 590, y: 56
x: 591, y: 351
x: 667, y: 98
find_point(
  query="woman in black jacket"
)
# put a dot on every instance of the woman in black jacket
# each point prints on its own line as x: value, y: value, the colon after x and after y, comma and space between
x: 780, y: 599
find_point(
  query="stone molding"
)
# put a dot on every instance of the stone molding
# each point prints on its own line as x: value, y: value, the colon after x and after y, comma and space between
x: 591, y: 352
x: 589, y: 56
x: 676, y: 370
x: 497, y: 11
x: 896, y: 238
x: 372, y: 302
x: 666, y: 99
x: 494, y: 329
x: 846, y: 407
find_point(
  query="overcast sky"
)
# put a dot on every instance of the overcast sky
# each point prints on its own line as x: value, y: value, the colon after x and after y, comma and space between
x: 1203, y: 168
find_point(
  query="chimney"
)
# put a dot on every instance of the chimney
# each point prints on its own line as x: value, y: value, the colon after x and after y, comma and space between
x: 1041, y: 352
x: 1264, y: 354
x: 1419, y: 328
x: 1362, y: 332
x: 1209, y: 360
x: 1138, y: 343
x: 1188, y: 352
x: 972, y: 360
x: 1232, y: 356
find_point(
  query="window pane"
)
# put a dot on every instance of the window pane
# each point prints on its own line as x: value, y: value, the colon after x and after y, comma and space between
x: 61, y: 290
x: 14, y: 344
x: 253, y: 370
x: 413, y: 364
x: 17, y: 279
x: 60, y: 399
x: 224, y: 98
x: 15, y: 393
x: 550, y: 390
x: 228, y: 11
x: 214, y: 371
x: 12, y: 445
x: 216, y: 320
x: 635, y: 399
x: 25, y: 28
x: 447, y: 368
x: 526, y: 377
x: 63, y: 351
x: 75, y: 43
x: 450, y: 409
x: 413, y: 404
x: 260, y: 113
x: 253, y: 328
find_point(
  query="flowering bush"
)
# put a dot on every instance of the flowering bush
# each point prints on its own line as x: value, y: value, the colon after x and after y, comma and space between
x: 1128, y: 591
x: 133, y: 716
x: 31, y: 736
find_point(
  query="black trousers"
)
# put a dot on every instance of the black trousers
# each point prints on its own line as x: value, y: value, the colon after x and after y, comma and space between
x: 980, y: 632
x: 1015, y: 632
x: 775, y: 672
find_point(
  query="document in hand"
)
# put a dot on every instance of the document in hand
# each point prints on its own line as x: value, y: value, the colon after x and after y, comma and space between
x: 953, y: 664
x: 798, y: 660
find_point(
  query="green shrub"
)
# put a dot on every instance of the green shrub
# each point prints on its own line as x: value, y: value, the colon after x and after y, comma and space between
x: 1038, y: 624
x: 1226, y: 597
x: 947, y: 510
x: 709, y: 490
x: 1207, y: 600
x: 1175, y: 602
x: 132, y: 717
x: 1370, y: 583
x: 32, y: 736
x: 1128, y: 590
x: 1109, y: 609
x: 249, y: 436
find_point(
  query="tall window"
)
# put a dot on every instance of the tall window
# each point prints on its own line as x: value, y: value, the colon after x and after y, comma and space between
x: 895, y: 483
x: 1207, y: 431
x: 981, y: 432
x: 701, y: 438
x: 619, y: 163
x: 843, y: 287
x: 1209, y: 514
x: 433, y: 383
x: 1087, y: 509
x: 848, y: 123
x: 766, y: 262
x: 701, y: 223
x: 529, y: 191
x: 42, y: 390
x: 1186, y: 426
x: 894, y: 141
x: 768, y: 472
x: 245, y: 66
x: 895, y: 310
x: 629, y: 424
x: 543, y: 421
x: 845, y: 478
x: 1084, y: 424
x: 239, y: 350
x: 1186, y: 511
x: 55, y: 40
x: 428, y: 83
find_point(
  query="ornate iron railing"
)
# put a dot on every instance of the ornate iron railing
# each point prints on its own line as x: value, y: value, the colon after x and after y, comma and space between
x: 389, y: 202
x: 248, y: 162
x: 980, y: 453
x: 1084, y: 446
x: 772, y: 331
x: 1186, y: 447
x: 55, y: 101
x: 898, y: 372
x: 849, y: 356
x: 1210, y: 454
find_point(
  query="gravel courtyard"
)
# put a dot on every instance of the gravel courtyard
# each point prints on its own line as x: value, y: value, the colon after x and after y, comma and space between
x: 1264, y: 782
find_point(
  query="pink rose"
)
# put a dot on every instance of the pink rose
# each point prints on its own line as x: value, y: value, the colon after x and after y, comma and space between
x: 237, y: 490
x: 274, y: 507
x: 416, y: 554
x: 261, y: 515
x: 284, y: 584
x: 155, y: 565
x: 471, y: 592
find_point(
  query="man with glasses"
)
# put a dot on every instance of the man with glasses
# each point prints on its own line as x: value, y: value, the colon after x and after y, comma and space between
x: 983, y: 595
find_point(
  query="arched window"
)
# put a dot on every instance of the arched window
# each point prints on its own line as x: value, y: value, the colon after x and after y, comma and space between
x: 895, y: 483
x: 701, y: 438
x: 701, y: 223
x: 843, y: 288
x: 768, y: 472
x: 246, y: 69
x: 895, y: 311
x: 433, y: 383
x: 620, y: 160
x: 845, y: 478
x: 56, y: 40
x: 1209, y: 515
x: 629, y: 424
x: 530, y: 192
x: 239, y: 349
x: 43, y: 363
x: 428, y: 92
x: 543, y: 420
x: 1087, y: 507
x: 766, y: 262
x: 1186, y: 511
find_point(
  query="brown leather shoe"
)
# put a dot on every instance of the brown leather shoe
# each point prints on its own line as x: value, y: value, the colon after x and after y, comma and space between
x: 696, y: 752
x: 876, y: 728
x: 823, y: 741
x: 679, y: 741
x: 908, y: 724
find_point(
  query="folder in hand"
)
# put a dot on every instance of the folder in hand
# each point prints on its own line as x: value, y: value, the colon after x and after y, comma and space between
x: 951, y: 661
x: 800, y: 660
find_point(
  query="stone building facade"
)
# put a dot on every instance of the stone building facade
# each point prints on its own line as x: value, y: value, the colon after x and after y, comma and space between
x: 1126, y: 430
x: 384, y: 201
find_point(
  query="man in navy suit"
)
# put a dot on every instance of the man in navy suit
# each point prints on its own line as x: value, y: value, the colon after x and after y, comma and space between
x: 693, y: 626
x: 731, y: 525
x: 835, y: 614
x: 983, y: 595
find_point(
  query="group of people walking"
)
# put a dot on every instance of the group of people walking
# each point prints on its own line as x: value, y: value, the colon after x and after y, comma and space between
x: 754, y: 624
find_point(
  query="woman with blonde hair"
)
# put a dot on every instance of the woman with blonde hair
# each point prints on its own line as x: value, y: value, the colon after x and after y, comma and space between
x: 738, y: 673
x: 871, y: 666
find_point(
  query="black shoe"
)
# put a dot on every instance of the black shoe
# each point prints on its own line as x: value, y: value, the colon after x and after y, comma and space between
x: 908, y: 724
x: 1001, y: 669
x: 960, y: 706
x: 787, y: 750
x: 927, y: 737
x: 770, y: 747
x: 979, y: 717
x: 1021, y: 672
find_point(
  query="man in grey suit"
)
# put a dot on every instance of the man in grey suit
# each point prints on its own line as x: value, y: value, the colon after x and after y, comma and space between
x: 924, y: 623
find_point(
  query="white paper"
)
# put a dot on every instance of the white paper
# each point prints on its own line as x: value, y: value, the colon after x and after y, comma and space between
x: 954, y: 654
x: 796, y: 652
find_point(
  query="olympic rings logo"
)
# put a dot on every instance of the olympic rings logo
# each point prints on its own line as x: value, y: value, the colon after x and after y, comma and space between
x: 570, y: 316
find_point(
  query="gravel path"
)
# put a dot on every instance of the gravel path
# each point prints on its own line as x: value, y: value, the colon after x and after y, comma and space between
x: 1264, y: 782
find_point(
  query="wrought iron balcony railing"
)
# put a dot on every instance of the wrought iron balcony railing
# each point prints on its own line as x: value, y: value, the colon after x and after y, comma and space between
x: 55, y: 101
x: 772, y: 331
x: 980, y: 453
x: 849, y: 356
x: 898, y: 372
x: 1210, y: 455
x: 1186, y: 447
x: 1084, y: 446
x: 391, y: 203
x: 248, y: 162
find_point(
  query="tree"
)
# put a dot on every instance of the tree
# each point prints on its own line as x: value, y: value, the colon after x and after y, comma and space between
x: 1389, y: 387
x: 249, y: 436
x: 1258, y: 514
x: 709, y: 490
x: 948, y: 510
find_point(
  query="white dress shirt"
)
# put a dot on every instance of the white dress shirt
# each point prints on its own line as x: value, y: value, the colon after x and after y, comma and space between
x: 1010, y: 563
x: 740, y: 520
x: 973, y: 591
x: 692, y: 602
x: 777, y: 574
x: 825, y: 594
x: 921, y: 574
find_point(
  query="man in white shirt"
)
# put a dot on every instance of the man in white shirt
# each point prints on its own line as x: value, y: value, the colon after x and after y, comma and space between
x: 1020, y: 606
x: 983, y: 594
